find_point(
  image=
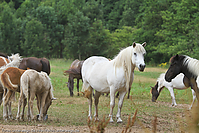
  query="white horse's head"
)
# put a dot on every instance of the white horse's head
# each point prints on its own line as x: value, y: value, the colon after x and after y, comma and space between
x: 138, y: 55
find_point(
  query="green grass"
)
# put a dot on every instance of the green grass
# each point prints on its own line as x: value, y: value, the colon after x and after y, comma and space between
x: 69, y: 111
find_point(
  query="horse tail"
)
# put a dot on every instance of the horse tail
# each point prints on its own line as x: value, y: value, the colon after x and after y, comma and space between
x: 5, y: 79
x: 72, y: 71
x: 45, y: 67
x: 87, y: 91
x: 24, y: 85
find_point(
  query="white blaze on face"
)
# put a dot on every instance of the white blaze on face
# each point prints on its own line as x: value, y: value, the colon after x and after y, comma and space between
x: 138, y: 56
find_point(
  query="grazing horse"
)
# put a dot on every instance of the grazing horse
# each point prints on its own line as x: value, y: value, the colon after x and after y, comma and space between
x: 74, y: 72
x: 38, y: 64
x: 33, y: 83
x: 186, y: 65
x: 105, y: 76
x: 180, y: 82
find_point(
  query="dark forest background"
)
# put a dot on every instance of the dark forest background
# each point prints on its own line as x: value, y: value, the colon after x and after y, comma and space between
x: 81, y: 28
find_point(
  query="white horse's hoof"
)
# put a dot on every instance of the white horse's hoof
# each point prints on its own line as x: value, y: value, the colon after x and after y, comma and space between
x: 111, y: 121
x: 119, y: 120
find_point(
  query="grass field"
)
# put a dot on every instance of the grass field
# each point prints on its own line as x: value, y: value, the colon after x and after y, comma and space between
x: 73, y: 111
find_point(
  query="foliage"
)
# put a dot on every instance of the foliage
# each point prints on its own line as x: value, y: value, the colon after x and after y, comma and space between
x: 79, y: 29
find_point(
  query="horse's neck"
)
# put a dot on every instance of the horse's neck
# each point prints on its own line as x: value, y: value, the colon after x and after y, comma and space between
x: 188, y: 73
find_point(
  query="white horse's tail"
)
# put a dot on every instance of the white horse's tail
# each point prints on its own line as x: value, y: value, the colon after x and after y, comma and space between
x: 24, y: 83
x: 87, y: 90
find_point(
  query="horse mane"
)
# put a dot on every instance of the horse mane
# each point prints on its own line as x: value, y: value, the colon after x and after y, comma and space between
x: 124, y: 60
x: 192, y: 64
x: 160, y: 80
x: 14, y: 63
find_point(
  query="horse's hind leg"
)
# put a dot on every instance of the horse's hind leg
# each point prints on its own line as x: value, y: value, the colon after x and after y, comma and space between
x: 77, y: 87
x: 120, y: 103
x: 96, y: 100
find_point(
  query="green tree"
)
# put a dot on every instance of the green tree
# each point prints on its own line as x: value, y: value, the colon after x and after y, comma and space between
x: 99, y: 40
x: 77, y: 33
x: 9, y: 31
x: 36, y: 39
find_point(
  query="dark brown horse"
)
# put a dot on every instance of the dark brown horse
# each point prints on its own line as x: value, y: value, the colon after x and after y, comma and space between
x: 38, y: 64
x: 74, y: 72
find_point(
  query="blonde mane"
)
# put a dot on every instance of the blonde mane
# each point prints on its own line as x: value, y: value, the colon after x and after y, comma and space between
x: 124, y: 59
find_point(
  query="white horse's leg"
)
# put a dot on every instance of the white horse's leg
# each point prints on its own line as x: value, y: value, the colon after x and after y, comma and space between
x: 112, y: 103
x: 172, y: 96
x: 120, y: 103
x: 96, y: 100
x: 90, y: 107
x: 194, y: 98
x: 43, y: 101
x: 5, y: 111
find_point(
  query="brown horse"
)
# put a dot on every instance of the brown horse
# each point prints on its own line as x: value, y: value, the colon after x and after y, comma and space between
x: 10, y: 80
x: 74, y: 72
x: 38, y: 64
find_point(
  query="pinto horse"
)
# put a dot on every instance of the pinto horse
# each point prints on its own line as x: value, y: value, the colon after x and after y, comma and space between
x: 105, y: 76
x: 74, y: 72
x: 180, y: 82
x: 186, y: 65
x: 38, y: 64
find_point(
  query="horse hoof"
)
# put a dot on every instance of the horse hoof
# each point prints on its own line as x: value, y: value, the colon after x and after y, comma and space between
x: 119, y: 120
x: 111, y: 121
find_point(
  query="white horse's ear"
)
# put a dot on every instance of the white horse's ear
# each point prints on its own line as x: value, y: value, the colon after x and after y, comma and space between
x: 134, y: 44
x: 144, y: 44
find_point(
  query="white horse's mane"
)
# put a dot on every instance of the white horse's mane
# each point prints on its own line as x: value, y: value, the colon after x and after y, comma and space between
x: 192, y: 64
x: 15, y: 62
x: 124, y: 59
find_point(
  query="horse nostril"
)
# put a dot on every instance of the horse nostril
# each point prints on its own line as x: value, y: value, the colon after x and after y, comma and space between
x: 142, y: 67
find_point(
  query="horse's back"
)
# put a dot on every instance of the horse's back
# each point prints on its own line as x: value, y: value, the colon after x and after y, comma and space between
x: 3, y: 61
x: 94, y: 73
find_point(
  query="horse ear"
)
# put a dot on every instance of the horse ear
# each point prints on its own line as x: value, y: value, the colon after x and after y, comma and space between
x: 151, y: 91
x: 177, y: 56
x: 134, y: 44
x: 144, y: 44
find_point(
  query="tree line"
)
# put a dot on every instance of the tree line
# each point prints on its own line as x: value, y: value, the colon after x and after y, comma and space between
x: 81, y: 28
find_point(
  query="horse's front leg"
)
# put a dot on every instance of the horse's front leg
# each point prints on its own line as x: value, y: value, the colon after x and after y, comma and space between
x: 172, y: 96
x: 120, y: 103
x: 96, y: 100
x: 43, y: 101
x: 112, y: 103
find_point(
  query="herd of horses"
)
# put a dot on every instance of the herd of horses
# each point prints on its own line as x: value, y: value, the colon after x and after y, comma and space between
x: 110, y: 76
x: 30, y: 77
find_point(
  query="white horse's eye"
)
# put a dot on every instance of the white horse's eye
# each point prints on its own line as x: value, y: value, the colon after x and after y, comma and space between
x: 135, y: 54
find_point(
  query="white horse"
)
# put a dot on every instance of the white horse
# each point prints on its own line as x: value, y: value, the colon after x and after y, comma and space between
x: 180, y: 82
x: 111, y: 76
